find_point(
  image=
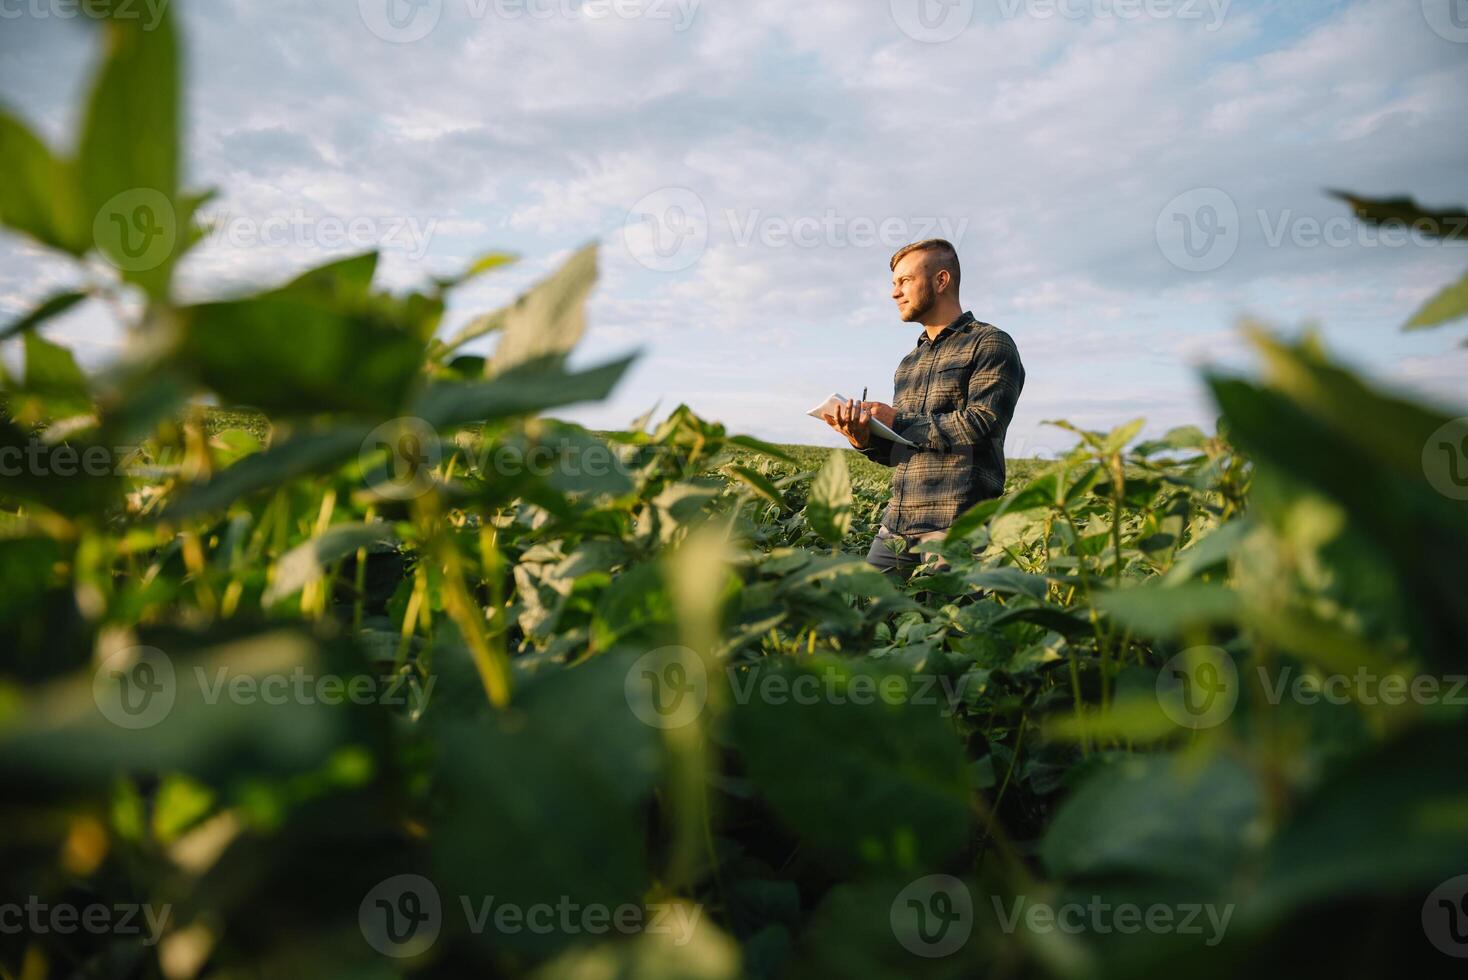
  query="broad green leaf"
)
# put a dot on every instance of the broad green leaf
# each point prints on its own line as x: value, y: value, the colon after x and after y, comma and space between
x: 53, y: 377
x: 1208, y: 552
x: 829, y: 508
x: 973, y: 519
x: 301, y: 455
x: 27, y: 571
x: 1117, y: 439
x: 1182, y: 437
x: 38, y: 194
x: 547, y: 321
x: 1040, y: 492
x: 179, y: 704
x: 1162, y: 816
x: 1328, y: 645
x: 584, y: 708
x: 1162, y: 612
x: 636, y: 601
x: 342, y: 282
x: 1391, y: 820
x: 1050, y: 618
x: 308, y: 561
x: 1449, y: 304
x: 760, y: 484
x: 686, y: 946
x: 311, y: 346
x: 529, y: 388
x: 531, y: 817
x: 1010, y: 581
x: 73, y: 478
x: 1437, y: 222
x: 1368, y: 458
x: 1137, y: 718
x: 1392, y: 429
x: 858, y: 776
x: 128, y: 162
x: 53, y: 306
x: 756, y: 445
x: 485, y: 263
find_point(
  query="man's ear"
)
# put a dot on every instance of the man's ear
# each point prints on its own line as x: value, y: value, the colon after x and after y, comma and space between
x: 941, y: 280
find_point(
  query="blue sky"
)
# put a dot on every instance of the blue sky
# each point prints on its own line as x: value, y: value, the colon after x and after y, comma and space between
x: 777, y: 152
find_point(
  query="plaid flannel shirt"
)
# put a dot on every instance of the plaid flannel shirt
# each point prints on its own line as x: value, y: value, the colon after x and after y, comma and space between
x: 954, y: 398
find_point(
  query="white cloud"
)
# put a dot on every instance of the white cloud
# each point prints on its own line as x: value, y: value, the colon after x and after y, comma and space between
x: 1054, y: 144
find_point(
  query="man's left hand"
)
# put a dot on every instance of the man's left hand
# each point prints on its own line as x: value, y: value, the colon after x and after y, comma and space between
x: 882, y: 412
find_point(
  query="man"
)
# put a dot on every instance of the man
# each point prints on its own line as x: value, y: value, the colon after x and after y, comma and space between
x: 954, y: 398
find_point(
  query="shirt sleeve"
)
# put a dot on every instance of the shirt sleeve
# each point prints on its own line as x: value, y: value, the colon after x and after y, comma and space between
x: 993, y: 391
x: 878, y: 450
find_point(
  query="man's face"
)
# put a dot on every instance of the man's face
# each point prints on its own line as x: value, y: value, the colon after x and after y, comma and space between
x: 912, y: 286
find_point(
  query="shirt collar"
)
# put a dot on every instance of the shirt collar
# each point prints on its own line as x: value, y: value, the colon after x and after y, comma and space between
x: 963, y: 318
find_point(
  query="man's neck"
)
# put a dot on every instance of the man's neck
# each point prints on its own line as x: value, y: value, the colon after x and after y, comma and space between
x: 938, y: 318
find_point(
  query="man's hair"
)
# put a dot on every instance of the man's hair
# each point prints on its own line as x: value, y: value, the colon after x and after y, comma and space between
x: 947, y: 256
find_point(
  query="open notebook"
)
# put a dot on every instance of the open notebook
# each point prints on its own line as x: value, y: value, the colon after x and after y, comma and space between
x: 828, y: 407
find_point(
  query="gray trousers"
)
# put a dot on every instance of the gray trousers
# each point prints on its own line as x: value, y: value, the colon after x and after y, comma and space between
x: 896, y: 555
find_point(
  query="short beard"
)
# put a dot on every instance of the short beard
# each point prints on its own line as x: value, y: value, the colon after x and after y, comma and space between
x: 918, y: 310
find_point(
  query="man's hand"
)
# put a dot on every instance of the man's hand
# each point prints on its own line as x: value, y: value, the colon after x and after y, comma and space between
x: 852, y: 420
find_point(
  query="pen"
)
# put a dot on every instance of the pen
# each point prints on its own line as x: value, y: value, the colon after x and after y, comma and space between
x: 863, y: 395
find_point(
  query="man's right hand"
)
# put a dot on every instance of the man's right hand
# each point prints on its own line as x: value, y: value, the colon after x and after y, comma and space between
x: 852, y: 420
